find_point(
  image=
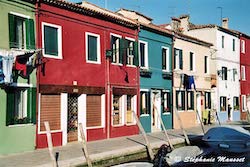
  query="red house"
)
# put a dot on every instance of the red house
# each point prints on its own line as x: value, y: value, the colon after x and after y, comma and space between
x: 245, y: 74
x: 89, y: 73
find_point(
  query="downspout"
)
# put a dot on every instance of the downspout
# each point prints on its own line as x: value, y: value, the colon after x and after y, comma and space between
x: 108, y: 88
x: 173, y: 105
x: 138, y: 73
x: 37, y: 16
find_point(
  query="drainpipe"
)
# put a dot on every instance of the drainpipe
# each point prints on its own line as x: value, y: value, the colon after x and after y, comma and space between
x: 173, y: 105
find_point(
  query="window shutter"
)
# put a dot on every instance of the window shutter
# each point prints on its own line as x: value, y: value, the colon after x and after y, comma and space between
x: 111, y: 48
x: 174, y: 58
x: 136, y: 61
x: 126, y: 47
x: 121, y: 50
x: 163, y: 52
x: 180, y: 59
x: 30, y: 34
x: 32, y: 105
x: 10, y: 108
x: 11, y: 31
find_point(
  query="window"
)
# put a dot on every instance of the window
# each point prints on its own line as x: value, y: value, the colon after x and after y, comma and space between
x: 93, y: 48
x: 21, y: 31
x: 143, y: 53
x: 234, y: 74
x: 222, y: 41
x: 131, y: 52
x: 131, y: 107
x: 180, y: 100
x: 224, y: 73
x: 243, y: 73
x: 207, y: 100
x: 94, y: 111
x: 244, y: 102
x: 21, y: 106
x: 233, y: 44
x: 191, y: 61
x: 145, y: 102
x: 117, y: 110
x: 190, y: 100
x: 165, y: 59
x: 166, y: 102
x: 236, y: 103
x: 242, y: 46
x: 52, y: 40
x: 178, y: 62
x: 206, y: 65
x: 223, y: 103
x: 116, y: 49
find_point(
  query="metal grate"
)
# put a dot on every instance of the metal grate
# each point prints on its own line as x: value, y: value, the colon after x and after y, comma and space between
x: 72, y: 113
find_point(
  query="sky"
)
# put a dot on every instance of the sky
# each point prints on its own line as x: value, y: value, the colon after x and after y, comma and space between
x: 200, y: 11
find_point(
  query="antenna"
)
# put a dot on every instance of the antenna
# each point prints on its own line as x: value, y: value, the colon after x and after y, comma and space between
x: 220, y: 14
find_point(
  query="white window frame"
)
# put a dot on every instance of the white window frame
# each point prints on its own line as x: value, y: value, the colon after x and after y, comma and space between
x: 166, y: 91
x: 134, y: 109
x: 167, y: 59
x: 144, y: 90
x: 177, y: 59
x: 132, y: 40
x: 118, y: 36
x: 146, y: 54
x: 243, y: 46
x: 87, y: 34
x: 243, y: 73
x: 59, y: 36
x: 180, y: 91
x: 244, y: 103
x: 121, y: 109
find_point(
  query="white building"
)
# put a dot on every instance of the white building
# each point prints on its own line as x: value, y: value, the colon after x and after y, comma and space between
x: 226, y: 58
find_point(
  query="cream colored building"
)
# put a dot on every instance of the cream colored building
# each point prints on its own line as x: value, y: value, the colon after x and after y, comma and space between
x: 191, y: 57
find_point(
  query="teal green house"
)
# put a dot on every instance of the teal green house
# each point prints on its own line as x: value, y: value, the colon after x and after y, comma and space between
x: 155, y: 60
x: 17, y: 76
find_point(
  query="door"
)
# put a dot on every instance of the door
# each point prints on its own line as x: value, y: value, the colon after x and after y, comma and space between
x: 72, y: 127
x: 156, y: 110
x: 198, y: 107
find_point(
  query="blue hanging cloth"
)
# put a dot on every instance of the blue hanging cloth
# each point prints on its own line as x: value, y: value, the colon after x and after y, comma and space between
x: 1, y: 70
x: 191, y: 82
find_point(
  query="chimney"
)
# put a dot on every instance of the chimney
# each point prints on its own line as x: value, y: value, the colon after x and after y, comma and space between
x: 225, y: 23
x: 184, y: 22
x: 175, y: 24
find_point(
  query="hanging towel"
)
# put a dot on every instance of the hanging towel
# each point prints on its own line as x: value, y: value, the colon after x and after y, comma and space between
x: 21, y: 66
x: 191, y: 82
x: 7, y: 68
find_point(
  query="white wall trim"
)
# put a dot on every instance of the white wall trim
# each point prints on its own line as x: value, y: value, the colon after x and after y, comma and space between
x: 59, y: 36
x: 64, y: 117
x: 146, y: 54
x: 20, y: 15
x: 82, y: 115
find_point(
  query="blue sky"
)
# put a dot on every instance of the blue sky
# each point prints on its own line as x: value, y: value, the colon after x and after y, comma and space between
x: 201, y: 11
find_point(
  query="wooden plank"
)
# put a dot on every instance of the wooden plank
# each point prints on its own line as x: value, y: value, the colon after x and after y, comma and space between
x: 181, y: 125
x: 202, y: 126
x: 150, y: 151
x: 165, y: 131
x: 85, y: 145
x: 50, y: 145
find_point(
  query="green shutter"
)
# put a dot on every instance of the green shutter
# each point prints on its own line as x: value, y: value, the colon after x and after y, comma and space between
x: 30, y: 34
x: 121, y: 50
x: 174, y: 58
x: 31, y: 106
x: 111, y: 48
x: 136, y: 57
x: 11, y: 30
x: 10, y: 108
x: 180, y: 60
x: 125, y: 51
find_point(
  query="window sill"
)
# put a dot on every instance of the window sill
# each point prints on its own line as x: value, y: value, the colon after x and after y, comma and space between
x: 181, y: 110
x: 190, y: 110
x: 117, y: 125
x: 20, y: 125
x: 93, y: 62
x: 145, y: 72
x: 130, y: 124
x: 95, y: 127
x: 144, y: 115
x: 167, y: 75
x: 133, y: 66
x: 117, y: 64
x: 168, y: 113
x: 53, y: 57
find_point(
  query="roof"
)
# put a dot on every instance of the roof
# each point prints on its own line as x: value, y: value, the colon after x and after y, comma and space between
x: 140, y: 14
x: 202, y: 26
x: 157, y: 29
x: 92, y: 10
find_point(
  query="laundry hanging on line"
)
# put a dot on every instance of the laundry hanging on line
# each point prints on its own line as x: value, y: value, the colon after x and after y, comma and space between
x: 188, y: 81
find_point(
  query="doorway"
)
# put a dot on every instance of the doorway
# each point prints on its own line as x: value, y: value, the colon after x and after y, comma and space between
x: 156, y: 110
x: 198, y: 107
x: 72, y: 126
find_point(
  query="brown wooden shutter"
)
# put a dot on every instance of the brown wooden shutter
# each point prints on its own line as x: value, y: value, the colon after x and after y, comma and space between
x: 94, y: 114
x: 50, y: 111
